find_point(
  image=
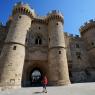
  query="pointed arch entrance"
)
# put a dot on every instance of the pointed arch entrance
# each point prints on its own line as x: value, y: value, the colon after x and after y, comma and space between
x: 36, y: 76
x: 33, y: 74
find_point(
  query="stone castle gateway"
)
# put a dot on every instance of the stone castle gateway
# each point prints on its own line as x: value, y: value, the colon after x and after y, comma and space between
x: 33, y: 46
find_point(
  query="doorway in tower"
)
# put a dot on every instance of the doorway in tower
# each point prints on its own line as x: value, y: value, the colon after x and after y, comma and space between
x: 33, y: 73
x: 32, y: 77
x: 36, y: 76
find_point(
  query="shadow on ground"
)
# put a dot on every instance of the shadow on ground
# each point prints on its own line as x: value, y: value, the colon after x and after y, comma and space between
x: 38, y: 92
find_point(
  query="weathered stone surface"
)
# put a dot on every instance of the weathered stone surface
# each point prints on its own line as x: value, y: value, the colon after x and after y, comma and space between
x: 35, y: 42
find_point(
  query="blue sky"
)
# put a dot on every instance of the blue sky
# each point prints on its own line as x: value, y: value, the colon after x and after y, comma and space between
x: 75, y: 12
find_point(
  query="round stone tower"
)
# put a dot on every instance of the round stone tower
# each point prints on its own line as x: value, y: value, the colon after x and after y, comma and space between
x: 13, y: 53
x: 58, y: 68
x: 88, y: 34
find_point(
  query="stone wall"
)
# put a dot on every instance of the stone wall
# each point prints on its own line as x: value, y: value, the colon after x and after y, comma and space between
x: 78, y: 59
x: 39, y: 42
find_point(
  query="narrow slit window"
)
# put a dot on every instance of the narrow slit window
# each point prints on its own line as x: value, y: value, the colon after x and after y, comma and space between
x: 59, y: 52
x: 49, y: 39
x: 92, y: 43
x: 39, y: 28
x: 26, y: 40
x: 57, y: 23
x: 78, y: 54
x: 77, y: 46
x: 14, y: 48
x: 38, y: 41
x: 70, y: 73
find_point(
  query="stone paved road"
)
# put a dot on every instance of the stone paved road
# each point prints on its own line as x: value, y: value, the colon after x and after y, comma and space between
x: 74, y: 89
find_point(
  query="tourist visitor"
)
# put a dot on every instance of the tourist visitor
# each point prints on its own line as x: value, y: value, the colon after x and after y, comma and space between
x: 44, y: 83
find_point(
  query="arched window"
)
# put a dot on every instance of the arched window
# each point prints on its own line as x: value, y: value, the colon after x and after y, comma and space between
x: 77, y: 46
x: 38, y: 41
x: 92, y: 43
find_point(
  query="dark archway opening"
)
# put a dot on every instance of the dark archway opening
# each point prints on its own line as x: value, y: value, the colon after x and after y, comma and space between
x: 36, y: 77
x: 33, y: 75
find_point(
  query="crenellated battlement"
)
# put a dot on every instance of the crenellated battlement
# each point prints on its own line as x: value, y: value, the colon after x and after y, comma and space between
x: 72, y: 36
x: 24, y: 9
x: 37, y: 20
x: 87, y: 25
x: 50, y: 16
x: 55, y: 15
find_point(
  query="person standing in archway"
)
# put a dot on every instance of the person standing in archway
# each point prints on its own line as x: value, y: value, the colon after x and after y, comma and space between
x: 44, y: 82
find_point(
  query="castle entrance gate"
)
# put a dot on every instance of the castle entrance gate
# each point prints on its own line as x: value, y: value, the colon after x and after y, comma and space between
x: 36, y: 76
x: 33, y: 74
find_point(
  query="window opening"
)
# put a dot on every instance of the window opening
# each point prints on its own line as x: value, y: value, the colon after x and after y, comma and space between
x: 78, y: 54
x: 38, y: 41
x: 49, y: 39
x: 59, y: 52
x: 39, y: 28
x: 14, y: 48
x: 92, y: 43
x: 57, y: 23
x: 77, y: 46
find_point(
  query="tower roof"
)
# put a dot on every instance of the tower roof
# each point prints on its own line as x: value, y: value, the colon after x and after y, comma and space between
x: 24, y: 7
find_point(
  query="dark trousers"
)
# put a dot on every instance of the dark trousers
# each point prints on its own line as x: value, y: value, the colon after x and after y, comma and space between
x: 44, y: 88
